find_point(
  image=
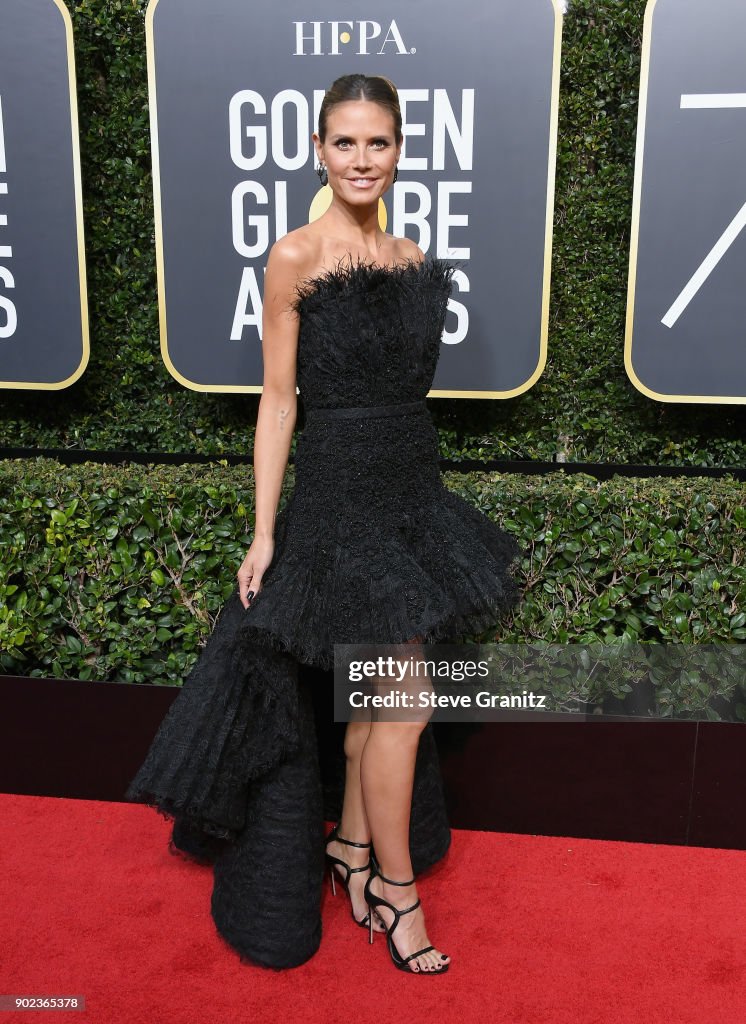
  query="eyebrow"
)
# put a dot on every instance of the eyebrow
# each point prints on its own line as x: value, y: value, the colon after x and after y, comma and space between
x: 345, y: 135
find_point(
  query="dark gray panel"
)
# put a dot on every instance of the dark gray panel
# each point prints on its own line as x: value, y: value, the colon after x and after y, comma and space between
x: 48, y: 345
x: 692, y: 188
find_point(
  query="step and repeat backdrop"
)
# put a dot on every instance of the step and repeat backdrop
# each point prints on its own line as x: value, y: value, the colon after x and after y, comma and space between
x: 235, y: 92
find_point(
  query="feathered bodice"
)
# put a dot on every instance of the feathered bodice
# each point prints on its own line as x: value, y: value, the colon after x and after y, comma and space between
x: 370, y: 335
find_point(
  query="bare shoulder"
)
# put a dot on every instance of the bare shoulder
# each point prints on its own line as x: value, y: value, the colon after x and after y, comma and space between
x: 409, y: 250
x: 288, y: 262
x: 292, y: 253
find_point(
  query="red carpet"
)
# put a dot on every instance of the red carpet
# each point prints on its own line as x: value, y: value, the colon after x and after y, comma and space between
x: 542, y: 930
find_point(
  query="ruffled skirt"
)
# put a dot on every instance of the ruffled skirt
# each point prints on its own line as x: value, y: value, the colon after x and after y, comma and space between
x: 371, y: 546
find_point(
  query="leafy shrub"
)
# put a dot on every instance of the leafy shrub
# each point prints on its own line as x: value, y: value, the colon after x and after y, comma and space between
x: 117, y: 572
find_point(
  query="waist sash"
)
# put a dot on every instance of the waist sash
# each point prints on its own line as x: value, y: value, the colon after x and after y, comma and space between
x: 366, y: 411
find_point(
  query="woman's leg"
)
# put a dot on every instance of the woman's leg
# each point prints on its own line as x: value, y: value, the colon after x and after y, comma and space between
x: 387, y: 767
x: 353, y: 823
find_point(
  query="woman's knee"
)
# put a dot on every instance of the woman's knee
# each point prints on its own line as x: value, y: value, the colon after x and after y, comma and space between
x: 356, y: 735
x: 399, y: 734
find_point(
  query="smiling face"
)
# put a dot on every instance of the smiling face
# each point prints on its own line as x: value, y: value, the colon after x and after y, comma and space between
x: 360, y: 150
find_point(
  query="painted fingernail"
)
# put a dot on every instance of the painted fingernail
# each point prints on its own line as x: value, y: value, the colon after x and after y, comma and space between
x: 250, y: 595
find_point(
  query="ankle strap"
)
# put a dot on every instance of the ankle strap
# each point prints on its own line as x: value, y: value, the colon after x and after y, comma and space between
x: 390, y: 881
x: 347, y: 842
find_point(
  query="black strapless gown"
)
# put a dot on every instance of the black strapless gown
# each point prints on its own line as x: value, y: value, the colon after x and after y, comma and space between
x: 369, y: 548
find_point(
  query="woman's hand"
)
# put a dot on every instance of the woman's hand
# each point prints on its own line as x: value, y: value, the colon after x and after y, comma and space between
x: 253, y: 567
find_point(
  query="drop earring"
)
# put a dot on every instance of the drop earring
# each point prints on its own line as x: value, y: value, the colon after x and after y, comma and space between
x: 322, y: 173
x: 396, y: 172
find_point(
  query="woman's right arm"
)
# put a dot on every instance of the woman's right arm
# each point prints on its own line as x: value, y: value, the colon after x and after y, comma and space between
x: 277, y: 408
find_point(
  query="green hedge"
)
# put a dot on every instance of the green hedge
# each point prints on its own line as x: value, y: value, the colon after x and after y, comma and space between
x: 117, y: 572
x: 583, y: 407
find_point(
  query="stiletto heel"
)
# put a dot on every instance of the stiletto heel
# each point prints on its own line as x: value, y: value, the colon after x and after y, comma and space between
x: 373, y: 901
x: 334, y: 836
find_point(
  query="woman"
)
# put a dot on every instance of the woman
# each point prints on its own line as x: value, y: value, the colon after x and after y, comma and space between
x: 371, y: 548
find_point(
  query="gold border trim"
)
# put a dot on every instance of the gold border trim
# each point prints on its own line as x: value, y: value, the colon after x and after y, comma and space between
x: 647, y: 34
x: 257, y: 389
x: 78, y: 190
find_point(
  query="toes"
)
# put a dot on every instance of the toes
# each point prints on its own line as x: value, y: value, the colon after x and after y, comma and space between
x: 434, y: 965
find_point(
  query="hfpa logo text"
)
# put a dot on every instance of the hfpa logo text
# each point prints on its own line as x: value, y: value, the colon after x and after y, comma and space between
x: 332, y: 38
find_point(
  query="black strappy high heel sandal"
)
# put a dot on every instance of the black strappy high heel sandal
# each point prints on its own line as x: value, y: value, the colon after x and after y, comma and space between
x: 334, y: 836
x: 373, y: 901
